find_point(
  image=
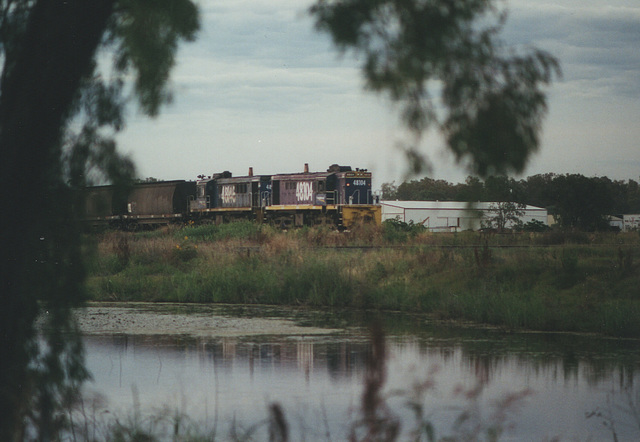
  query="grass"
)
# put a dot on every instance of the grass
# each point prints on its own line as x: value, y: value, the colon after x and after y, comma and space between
x: 553, y: 281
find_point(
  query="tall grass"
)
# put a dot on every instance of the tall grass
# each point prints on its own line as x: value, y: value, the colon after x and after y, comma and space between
x: 510, y: 281
x: 245, y: 230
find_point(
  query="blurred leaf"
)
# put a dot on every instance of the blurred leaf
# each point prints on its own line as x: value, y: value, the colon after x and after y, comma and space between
x: 491, y: 102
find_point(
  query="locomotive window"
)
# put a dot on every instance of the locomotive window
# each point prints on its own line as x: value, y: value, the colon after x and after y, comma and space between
x: 320, y: 186
x: 241, y: 188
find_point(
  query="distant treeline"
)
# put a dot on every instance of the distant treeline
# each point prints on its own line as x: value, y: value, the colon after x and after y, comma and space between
x: 576, y: 201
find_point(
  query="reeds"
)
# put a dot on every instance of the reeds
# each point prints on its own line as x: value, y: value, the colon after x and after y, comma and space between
x: 382, y: 414
x: 506, y: 280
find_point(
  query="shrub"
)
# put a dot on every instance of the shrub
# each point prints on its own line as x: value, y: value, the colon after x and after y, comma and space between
x: 394, y: 230
x: 183, y: 253
x: 535, y: 226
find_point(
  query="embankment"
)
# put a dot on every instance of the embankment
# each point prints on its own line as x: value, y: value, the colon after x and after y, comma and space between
x: 551, y: 281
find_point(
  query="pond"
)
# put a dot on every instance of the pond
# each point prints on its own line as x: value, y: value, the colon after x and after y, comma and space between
x: 226, y: 373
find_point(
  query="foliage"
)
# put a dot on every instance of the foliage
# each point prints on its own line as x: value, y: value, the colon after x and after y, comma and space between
x: 577, y: 201
x: 389, y: 191
x: 535, y: 226
x: 491, y: 101
x: 502, y: 215
x: 627, y: 402
x: 581, y: 202
x: 50, y: 83
x: 213, y: 232
x: 427, y: 189
x: 142, y: 37
x: 395, y: 230
x: 553, y: 281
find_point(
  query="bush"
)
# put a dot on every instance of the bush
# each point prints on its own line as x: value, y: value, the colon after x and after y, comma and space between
x: 535, y: 226
x: 394, y: 230
x: 183, y: 253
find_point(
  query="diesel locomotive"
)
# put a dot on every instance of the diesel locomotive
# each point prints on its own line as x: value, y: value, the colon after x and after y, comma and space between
x: 339, y: 197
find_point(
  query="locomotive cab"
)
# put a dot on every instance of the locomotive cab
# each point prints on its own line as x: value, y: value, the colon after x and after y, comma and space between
x: 207, y: 192
x: 354, y: 187
x: 251, y: 192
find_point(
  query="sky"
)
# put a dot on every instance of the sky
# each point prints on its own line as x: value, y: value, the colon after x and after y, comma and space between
x: 261, y: 88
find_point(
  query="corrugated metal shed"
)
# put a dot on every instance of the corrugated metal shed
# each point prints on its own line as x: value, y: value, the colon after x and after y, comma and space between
x: 450, y: 215
x: 631, y: 222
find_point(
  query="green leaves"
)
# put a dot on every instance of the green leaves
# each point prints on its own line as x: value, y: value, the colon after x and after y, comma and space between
x: 491, y: 102
x: 495, y: 118
x: 49, y: 85
x: 147, y: 33
x: 143, y: 36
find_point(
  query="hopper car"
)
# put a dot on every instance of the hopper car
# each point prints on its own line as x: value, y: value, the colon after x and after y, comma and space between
x: 339, y: 197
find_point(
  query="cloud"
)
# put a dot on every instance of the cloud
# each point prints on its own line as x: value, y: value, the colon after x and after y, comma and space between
x: 261, y: 87
x: 592, y: 40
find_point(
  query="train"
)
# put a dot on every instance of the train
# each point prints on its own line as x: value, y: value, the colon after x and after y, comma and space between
x: 340, y: 197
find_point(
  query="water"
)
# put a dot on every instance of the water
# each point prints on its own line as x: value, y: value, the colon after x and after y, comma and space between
x: 548, y: 383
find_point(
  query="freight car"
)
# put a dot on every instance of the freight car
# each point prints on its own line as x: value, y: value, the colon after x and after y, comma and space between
x: 340, y: 196
x: 144, y: 204
x: 101, y: 205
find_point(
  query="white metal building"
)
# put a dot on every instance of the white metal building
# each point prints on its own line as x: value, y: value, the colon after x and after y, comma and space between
x: 450, y: 216
x: 616, y: 221
x: 625, y: 223
x: 630, y: 222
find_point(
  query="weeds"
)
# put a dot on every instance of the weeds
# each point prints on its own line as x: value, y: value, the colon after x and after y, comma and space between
x: 235, y: 230
x: 582, y: 287
x: 395, y: 231
x: 483, y: 256
x: 278, y: 428
x: 621, y: 410
x: 625, y: 262
x: 381, y: 415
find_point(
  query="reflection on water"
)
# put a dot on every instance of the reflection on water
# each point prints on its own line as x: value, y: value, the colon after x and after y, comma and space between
x: 318, y: 380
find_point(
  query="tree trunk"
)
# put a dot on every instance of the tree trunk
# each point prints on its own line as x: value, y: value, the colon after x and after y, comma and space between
x: 40, y: 80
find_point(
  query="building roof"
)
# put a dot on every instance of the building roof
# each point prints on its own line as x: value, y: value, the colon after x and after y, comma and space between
x: 447, y: 205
